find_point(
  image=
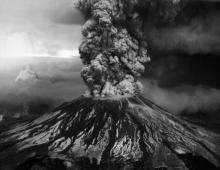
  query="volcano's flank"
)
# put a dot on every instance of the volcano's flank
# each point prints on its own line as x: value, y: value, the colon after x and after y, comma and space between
x: 128, y: 131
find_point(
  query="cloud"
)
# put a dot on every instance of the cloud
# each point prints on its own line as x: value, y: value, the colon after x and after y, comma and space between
x: 183, y: 98
x: 40, y: 27
x: 70, y: 16
x: 58, y: 79
x: 48, y: 83
x: 63, y: 53
x: 21, y: 45
x: 25, y: 10
x: 27, y: 76
x: 200, y: 34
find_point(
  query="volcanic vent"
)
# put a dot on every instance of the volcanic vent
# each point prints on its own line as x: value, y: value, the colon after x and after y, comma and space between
x: 112, y: 126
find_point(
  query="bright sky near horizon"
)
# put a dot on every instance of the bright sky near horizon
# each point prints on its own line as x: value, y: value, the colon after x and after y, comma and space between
x: 50, y: 28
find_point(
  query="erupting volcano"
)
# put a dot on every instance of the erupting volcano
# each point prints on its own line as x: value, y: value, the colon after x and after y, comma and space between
x: 110, y: 133
x: 111, y: 126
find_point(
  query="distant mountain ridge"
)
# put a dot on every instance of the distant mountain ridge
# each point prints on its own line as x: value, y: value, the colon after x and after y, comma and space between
x: 27, y: 75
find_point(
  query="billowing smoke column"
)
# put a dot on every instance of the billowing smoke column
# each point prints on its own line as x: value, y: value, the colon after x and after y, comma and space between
x: 112, y: 57
x: 114, y: 49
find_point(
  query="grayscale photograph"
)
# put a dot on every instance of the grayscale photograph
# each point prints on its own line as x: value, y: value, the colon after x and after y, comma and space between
x: 110, y: 85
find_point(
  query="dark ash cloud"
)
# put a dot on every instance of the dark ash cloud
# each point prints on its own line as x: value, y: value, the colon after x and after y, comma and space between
x: 196, y: 29
x: 183, y: 98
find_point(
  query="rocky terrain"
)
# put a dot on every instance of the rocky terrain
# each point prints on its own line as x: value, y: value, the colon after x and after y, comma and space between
x: 108, y: 133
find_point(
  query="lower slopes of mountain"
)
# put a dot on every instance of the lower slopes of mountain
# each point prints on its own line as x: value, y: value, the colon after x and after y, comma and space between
x: 107, y: 133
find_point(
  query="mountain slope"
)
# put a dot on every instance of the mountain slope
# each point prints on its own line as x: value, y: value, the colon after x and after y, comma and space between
x: 127, y: 132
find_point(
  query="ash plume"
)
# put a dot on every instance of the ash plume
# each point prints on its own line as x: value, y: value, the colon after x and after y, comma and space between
x: 114, y: 48
x: 183, y: 98
x: 200, y: 35
x: 112, y: 55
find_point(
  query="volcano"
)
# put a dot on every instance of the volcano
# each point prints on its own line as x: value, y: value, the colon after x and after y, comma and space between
x: 108, y: 133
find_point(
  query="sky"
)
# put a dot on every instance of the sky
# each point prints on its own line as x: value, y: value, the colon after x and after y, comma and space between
x: 39, y: 28
x: 52, y: 28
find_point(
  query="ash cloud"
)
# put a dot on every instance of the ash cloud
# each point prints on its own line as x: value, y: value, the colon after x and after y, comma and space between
x: 112, y: 57
x: 195, y: 29
x: 170, y: 26
x: 183, y: 98
x: 184, y: 50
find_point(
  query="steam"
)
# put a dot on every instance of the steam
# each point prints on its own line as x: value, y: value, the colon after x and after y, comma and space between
x: 184, y: 98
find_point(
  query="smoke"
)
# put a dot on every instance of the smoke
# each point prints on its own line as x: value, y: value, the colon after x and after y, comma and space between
x: 116, y: 34
x: 195, y: 30
x: 183, y: 98
x: 112, y: 57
